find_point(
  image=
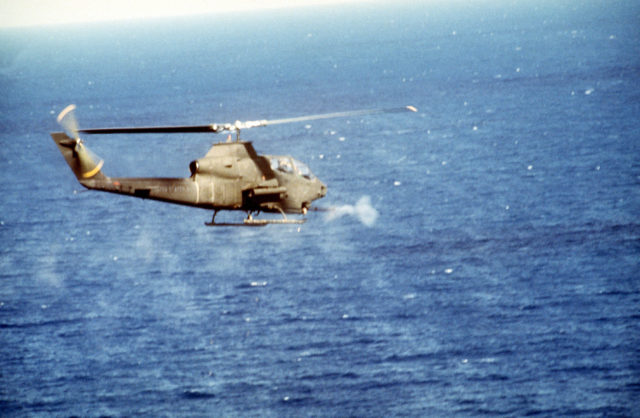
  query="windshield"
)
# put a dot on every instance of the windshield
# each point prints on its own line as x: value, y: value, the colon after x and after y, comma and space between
x: 303, y: 169
x: 290, y: 165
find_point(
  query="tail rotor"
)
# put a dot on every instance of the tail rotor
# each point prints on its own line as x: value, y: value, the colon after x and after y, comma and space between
x: 80, y: 158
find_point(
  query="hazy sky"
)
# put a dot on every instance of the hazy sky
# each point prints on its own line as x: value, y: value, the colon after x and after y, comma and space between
x: 38, y: 12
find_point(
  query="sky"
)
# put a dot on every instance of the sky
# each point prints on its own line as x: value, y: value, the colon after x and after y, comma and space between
x: 17, y: 13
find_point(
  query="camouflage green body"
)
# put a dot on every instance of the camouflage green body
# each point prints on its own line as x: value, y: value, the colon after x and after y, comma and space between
x: 231, y: 176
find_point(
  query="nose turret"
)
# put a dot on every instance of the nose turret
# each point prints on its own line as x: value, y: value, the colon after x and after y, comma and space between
x: 322, y: 191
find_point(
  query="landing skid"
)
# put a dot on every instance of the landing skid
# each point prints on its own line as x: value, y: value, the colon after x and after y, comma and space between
x: 249, y: 221
x: 258, y: 222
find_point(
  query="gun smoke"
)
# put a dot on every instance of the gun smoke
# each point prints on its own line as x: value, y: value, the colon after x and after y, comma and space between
x: 363, y: 211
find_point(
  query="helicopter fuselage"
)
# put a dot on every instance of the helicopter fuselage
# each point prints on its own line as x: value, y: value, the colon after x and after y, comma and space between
x: 231, y: 176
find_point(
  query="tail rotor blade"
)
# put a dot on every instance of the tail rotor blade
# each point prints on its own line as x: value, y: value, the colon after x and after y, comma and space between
x: 67, y: 120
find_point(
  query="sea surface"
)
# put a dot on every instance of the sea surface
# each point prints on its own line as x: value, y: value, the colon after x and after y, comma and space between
x: 482, y: 256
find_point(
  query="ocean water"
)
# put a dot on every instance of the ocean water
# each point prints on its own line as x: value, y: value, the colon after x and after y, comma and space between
x: 483, y: 257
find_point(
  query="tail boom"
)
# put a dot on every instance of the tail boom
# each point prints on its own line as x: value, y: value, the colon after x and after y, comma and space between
x: 88, y: 172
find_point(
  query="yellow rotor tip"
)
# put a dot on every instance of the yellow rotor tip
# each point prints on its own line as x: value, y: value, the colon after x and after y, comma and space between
x: 412, y: 108
x: 65, y: 111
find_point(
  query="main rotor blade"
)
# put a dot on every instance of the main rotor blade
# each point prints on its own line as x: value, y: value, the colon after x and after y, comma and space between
x: 335, y: 115
x: 238, y: 125
x: 155, y: 130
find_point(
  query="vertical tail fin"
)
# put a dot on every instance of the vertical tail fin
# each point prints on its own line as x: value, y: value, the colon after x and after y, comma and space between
x: 80, y: 158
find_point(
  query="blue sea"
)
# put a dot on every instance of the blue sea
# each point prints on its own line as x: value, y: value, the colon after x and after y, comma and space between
x: 481, y: 256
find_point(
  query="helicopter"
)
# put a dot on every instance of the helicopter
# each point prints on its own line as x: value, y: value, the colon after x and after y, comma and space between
x: 231, y: 176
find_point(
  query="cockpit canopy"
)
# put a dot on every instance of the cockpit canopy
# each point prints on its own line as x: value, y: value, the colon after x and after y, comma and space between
x: 291, y: 166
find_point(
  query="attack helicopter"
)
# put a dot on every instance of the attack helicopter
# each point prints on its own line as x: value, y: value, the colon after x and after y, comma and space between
x: 231, y: 176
